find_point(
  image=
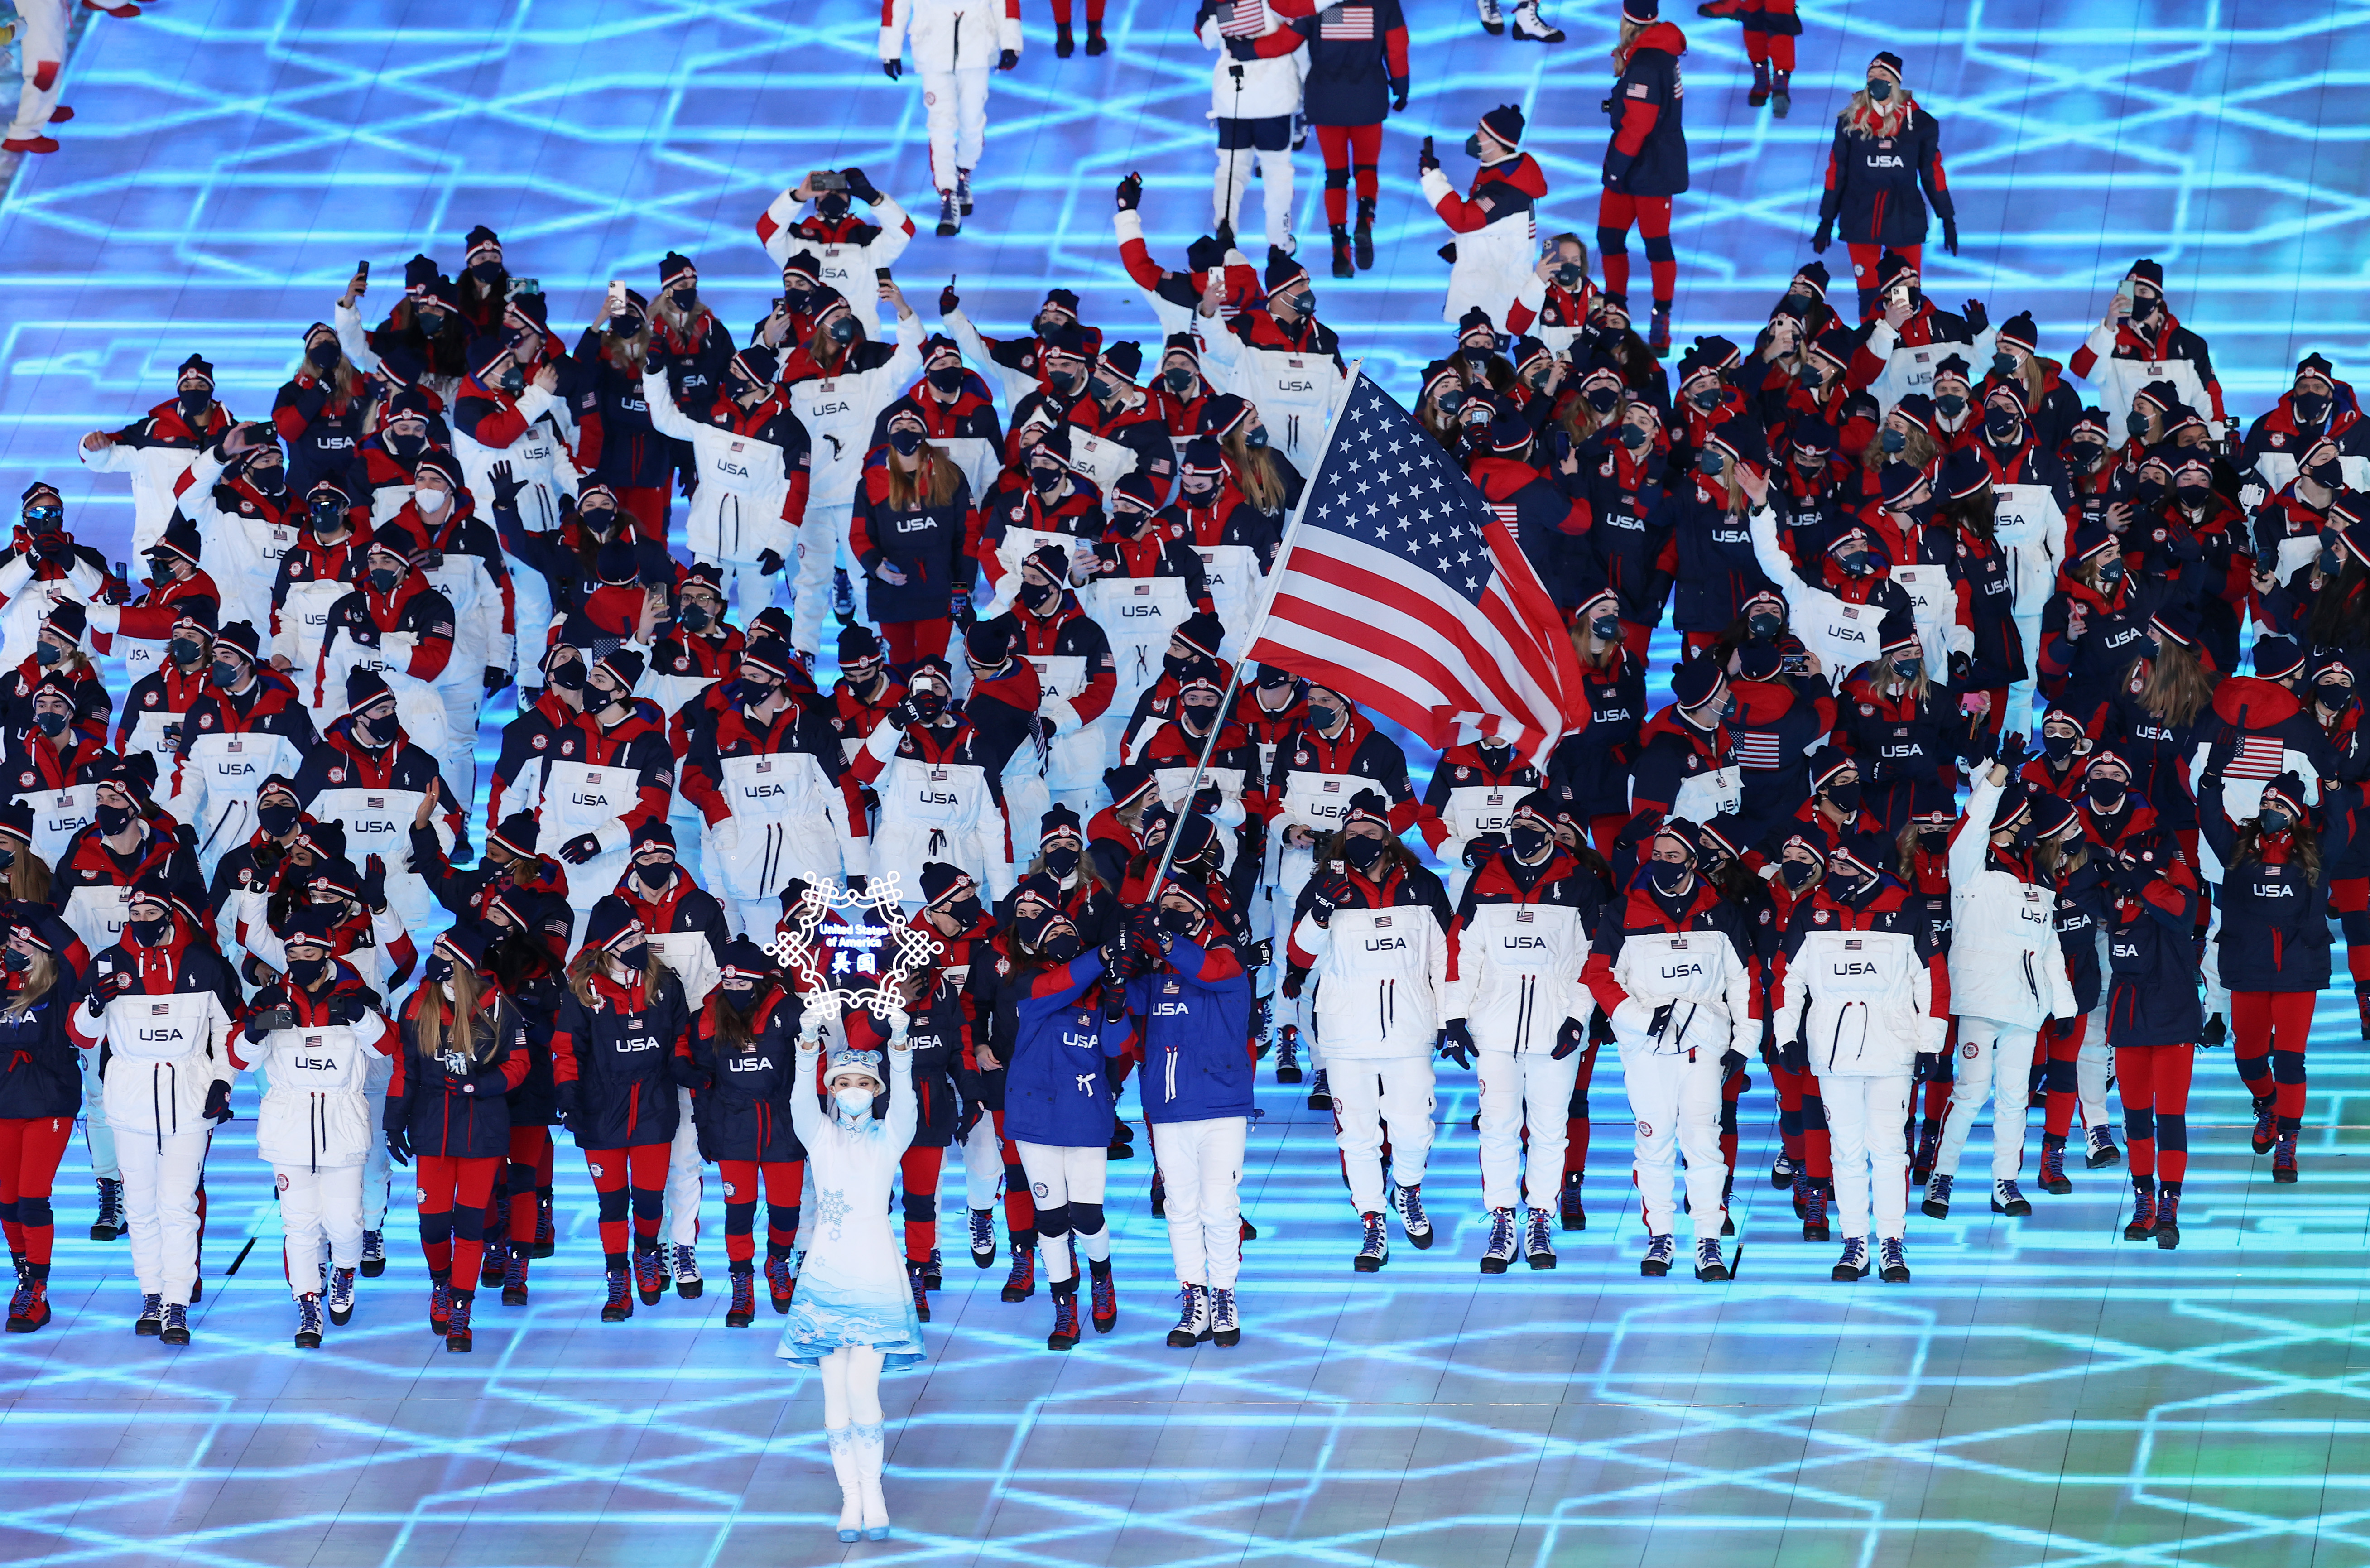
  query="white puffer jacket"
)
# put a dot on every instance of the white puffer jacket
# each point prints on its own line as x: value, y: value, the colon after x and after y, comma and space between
x: 2005, y: 962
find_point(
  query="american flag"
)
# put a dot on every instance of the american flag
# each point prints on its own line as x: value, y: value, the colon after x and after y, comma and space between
x: 1407, y: 592
x: 1243, y: 18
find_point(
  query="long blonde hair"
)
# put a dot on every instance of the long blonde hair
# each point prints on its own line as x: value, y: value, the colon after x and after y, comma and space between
x: 1917, y: 449
x: 468, y: 1004
x: 40, y: 973
x: 1255, y: 472
x: 907, y: 490
x: 29, y: 874
x: 2173, y: 686
x: 1626, y: 43
x: 1862, y: 117
x: 581, y: 969
x: 347, y: 378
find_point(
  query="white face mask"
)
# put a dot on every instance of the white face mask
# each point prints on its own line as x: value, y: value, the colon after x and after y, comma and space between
x: 852, y: 1102
x: 429, y: 500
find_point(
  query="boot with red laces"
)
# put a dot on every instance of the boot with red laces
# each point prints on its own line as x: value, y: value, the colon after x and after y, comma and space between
x: 743, y: 1310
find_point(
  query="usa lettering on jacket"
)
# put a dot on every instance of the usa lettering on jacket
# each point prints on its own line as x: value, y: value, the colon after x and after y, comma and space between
x: 748, y: 1064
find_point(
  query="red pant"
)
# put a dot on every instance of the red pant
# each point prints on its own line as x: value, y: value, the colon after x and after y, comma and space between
x: 530, y: 1177
x: 30, y: 1149
x: 910, y: 641
x: 1614, y: 214
x: 1575, y: 1125
x: 1062, y: 12
x: 921, y: 1166
x: 2269, y: 1031
x: 645, y: 1165
x: 1798, y: 1098
x: 2062, y: 1038
x: 2154, y: 1081
x: 1348, y: 148
x: 1864, y: 259
x: 453, y: 1193
x: 785, y: 1180
x: 647, y: 505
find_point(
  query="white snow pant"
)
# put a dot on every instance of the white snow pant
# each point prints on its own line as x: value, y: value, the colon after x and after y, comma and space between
x: 1865, y: 1116
x: 1675, y: 1100
x: 458, y: 761
x: 1995, y: 1059
x: 1202, y: 1169
x: 530, y: 613
x: 1067, y: 1184
x: 160, y: 1200
x: 1529, y: 1090
x: 982, y: 1161
x: 1367, y: 1095
x: 1232, y: 183
x: 956, y: 103
x: 43, y: 46
x: 374, y: 1169
x: 680, y: 1222
x: 314, y: 1206
x: 2019, y: 721
x: 96, y: 1131
x: 822, y: 544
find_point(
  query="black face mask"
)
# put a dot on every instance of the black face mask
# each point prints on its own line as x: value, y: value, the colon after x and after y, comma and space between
x: 184, y: 650
x: 2107, y: 797
x: 2057, y: 748
x: 2330, y: 475
x: 271, y: 480
x: 1845, y: 797
x: 598, y: 521
x: 2192, y: 496
x: 1605, y: 628
x: 1878, y: 88
x: 1528, y: 842
x: 53, y: 724
x: 1706, y: 397
x: 1634, y: 437
x: 194, y: 405
x: 1361, y: 851
x: 634, y: 961
x: 1711, y: 462
x: 374, y: 732
x: 113, y: 819
x: 1042, y: 479
x: 406, y: 449
x: 905, y: 441
x: 2144, y: 309
x: 2000, y: 425
x: 18, y: 962
x: 749, y: 692
x: 1950, y: 404
x: 2272, y: 822
x: 1796, y: 873
x: 1934, y: 840
x: 1602, y: 399
x: 1322, y: 718
x: 1062, y: 862
x: 1065, y: 382
x: 684, y: 296
x: 654, y: 873
x: 1907, y: 669
x: 2149, y: 492
x: 948, y: 381
x: 2335, y: 696
x: 568, y: 676
x: 276, y: 820
x: 1670, y: 877
x: 49, y: 653
x: 1473, y: 145
x: 928, y: 704
x: 384, y: 580
x: 326, y: 513
x: 1178, y: 379
x: 2003, y: 365
x: 1063, y: 945
x: 1178, y: 922
x: 2085, y: 453
x: 2310, y: 407
x: 1893, y: 440
x: 1039, y: 595
x: 1762, y: 628
x: 1857, y: 563
x: 1197, y: 717
x: 832, y: 206
x: 2136, y: 422
x: 1255, y: 438
x: 694, y: 617
x: 147, y: 933
x: 2110, y: 573
x: 323, y: 355
x: 965, y: 910
x: 308, y: 972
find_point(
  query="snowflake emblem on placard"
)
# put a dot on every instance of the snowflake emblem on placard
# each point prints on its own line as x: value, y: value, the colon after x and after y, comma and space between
x: 908, y: 952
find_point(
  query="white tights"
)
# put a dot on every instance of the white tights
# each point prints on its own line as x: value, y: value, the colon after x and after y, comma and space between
x: 851, y: 1387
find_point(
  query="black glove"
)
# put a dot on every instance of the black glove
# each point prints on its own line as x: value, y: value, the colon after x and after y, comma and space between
x: 346, y: 1008
x: 1241, y: 49
x: 1950, y: 235
x: 1569, y: 1037
x: 1457, y: 1042
x: 861, y: 188
x: 1662, y: 1020
x: 1977, y: 317
x: 904, y: 715
x: 1731, y: 1061
x: 1008, y: 61
x: 398, y: 1145
x: 1130, y: 193
x: 218, y: 1101
x: 858, y: 885
x: 1295, y: 977
x: 949, y: 301
x: 769, y: 564
x: 958, y: 607
x: 105, y: 986
x: 496, y: 678
x: 374, y: 889
x: 1427, y: 159
x: 1480, y: 847
x: 52, y: 546
x: 1823, y: 235
x: 972, y: 1115
x: 656, y: 358
x: 507, y: 488
x: 267, y: 1021
x: 563, y: 1099
x: 1928, y: 1068
x: 1794, y: 1056
x: 1259, y: 954
x: 1114, y: 1003
x: 1398, y: 94
x: 893, y: 69
x: 2011, y: 750
x: 580, y: 848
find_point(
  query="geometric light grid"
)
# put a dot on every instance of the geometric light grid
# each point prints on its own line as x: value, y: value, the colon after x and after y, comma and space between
x: 2044, y: 1391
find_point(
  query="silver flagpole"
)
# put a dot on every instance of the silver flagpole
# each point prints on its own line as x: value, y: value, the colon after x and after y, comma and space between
x: 1259, y: 625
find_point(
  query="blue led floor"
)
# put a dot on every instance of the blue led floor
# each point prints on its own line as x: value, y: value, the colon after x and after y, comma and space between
x: 2042, y: 1393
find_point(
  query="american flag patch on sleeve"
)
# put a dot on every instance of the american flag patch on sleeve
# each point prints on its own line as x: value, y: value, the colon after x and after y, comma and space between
x: 1346, y: 24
